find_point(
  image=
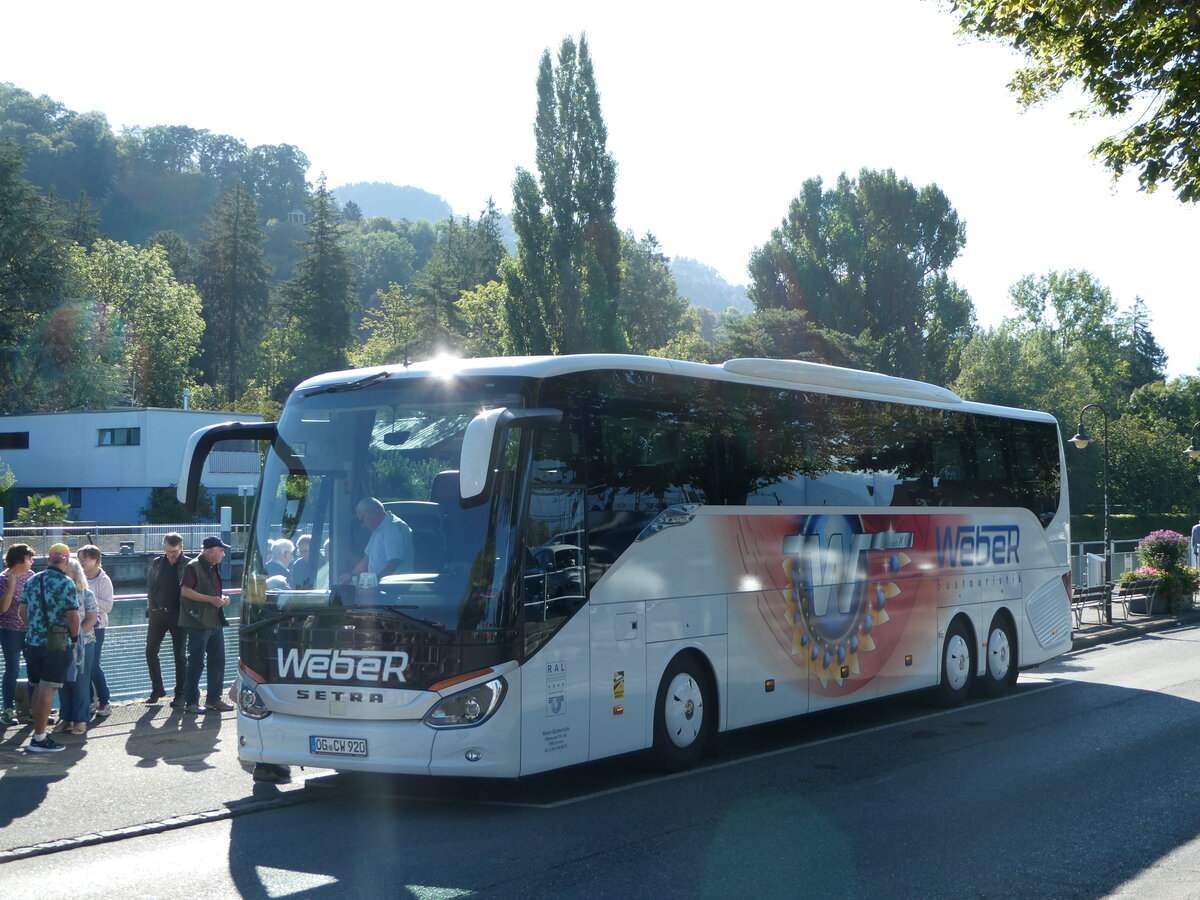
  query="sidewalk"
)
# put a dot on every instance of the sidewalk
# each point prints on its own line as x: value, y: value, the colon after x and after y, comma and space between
x: 1092, y: 633
x: 143, y: 770
x: 147, y: 769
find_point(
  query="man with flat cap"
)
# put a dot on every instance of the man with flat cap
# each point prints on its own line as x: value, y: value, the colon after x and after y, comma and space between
x: 201, y: 612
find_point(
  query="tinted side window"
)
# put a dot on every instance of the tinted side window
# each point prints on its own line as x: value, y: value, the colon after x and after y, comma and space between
x: 652, y: 444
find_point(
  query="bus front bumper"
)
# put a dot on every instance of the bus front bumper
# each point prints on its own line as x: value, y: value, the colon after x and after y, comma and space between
x: 402, y: 747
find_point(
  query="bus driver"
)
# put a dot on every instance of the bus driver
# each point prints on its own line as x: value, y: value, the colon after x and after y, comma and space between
x: 390, y: 547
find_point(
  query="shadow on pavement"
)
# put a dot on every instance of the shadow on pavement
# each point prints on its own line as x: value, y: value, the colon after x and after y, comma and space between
x: 27, y: 776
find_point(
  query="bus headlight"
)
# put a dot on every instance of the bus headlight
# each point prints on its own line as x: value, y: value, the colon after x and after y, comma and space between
x: 474, y: 706
x: 250, y: 703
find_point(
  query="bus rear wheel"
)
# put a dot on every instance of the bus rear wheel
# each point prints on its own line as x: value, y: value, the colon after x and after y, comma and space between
x: 1001, y: 671
x: 958, y: 665
x: 683, y: 714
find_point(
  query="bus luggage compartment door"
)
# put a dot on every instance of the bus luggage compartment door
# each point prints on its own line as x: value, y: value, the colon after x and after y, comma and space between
x: 619, y: 691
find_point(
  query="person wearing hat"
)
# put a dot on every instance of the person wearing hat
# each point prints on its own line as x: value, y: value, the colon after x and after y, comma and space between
x: 50, y: 612
x: 201, y: 613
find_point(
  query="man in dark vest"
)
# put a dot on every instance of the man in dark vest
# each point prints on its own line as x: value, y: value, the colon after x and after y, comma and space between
x: 201, y: 613
x: 162, y: 610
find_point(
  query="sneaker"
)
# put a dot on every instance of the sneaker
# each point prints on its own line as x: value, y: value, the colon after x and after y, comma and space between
x: 104, y: 711
x: 154, y: 697
x: 9, y: 717
x: 217, y: 706
x: 194, y: 708
x: 45, y: 745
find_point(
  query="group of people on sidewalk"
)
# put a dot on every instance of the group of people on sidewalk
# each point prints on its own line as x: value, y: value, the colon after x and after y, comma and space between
x: 57, y: 617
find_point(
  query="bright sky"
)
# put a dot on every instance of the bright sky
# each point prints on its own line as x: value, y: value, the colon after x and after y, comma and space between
x: 715, y: 115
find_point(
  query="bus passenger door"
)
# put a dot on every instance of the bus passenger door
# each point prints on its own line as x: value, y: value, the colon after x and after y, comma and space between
x: 555, y: 679
x: 619, y: 692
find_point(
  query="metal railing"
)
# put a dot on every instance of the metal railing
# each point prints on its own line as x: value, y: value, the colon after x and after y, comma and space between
x: 116, y: 539
x: 1124, y: 558
x: 123, y: 658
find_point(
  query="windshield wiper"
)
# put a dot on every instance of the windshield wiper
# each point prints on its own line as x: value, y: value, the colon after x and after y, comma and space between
x: 349, y: 385
x: 272, y: 620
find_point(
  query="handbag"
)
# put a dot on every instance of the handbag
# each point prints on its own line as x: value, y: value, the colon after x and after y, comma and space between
x: 58, y: 638
x: 76, y: 665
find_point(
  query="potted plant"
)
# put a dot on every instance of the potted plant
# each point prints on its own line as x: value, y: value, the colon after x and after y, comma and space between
x: 1163, y: 555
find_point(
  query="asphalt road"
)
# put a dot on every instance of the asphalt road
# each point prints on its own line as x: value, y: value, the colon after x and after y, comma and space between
x: 1078, y: 784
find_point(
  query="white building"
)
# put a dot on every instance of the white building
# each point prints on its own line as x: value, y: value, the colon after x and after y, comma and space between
x: 103, y: 463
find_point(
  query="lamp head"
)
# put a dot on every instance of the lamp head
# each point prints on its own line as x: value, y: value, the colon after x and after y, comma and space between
x: 1193, y: 451
x: 1081, y: 440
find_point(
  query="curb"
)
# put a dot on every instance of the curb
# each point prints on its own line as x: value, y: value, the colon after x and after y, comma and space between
x: 1122, y: 631
x: 237, y: 808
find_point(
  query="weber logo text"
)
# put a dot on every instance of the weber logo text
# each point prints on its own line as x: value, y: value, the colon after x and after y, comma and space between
x: 342, y: 665
x: 977, y: 545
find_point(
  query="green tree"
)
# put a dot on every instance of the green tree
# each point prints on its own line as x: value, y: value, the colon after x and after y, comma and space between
x: 393, y: 334
x: 163, y: 507
x: 564, y: 283
x: 321, y: 298
x: 39, y: 332
x: 467, y: 255
x: 1144, y: 358
x: 154, y: 320
x: 7, y: 481
x: 482, y: 313
x: 650, y: 308
x: 1177, y: 400
x: 181, y: 255
x: 1127, y: 57
x: 66, y: 152
x: 1118, y: 351
x: 866, y: 265
x: 1027, y: 369
x: 275, y: 175
x: 42, y: 510
x: 235, y: 286
x: 381, y: 257
x: 1148, y: 472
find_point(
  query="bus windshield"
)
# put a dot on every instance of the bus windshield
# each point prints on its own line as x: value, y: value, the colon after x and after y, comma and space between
x: 360, y: 540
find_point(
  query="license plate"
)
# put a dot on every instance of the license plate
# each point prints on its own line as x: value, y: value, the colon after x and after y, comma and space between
x: 337, y: 746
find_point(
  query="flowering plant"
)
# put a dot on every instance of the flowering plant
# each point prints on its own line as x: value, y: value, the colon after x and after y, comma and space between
x: 1166, y: 550
x: 1163, y: 554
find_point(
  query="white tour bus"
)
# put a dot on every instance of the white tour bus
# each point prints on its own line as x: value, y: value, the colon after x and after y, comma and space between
x: 600, y: 554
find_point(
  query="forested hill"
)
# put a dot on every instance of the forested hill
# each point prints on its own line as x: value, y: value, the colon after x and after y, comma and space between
x: 130, y: 185
x: 704, y: 286
x: 394, y: 201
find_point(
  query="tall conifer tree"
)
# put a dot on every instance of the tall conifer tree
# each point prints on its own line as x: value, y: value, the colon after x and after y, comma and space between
x: 321, y: 298
x: 564, y: 283
x: 235, y: 286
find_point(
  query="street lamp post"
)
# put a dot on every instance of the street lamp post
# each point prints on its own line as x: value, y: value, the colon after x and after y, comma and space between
x: 1193, y: 451
x: 1081, y: 440
x: 1194, y: 543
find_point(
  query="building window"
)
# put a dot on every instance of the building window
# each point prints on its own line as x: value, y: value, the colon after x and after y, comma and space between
x: 119, y: 437
x: 14, y: 440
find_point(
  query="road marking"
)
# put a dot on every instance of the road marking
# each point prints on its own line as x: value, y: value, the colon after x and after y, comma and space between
x: 768, y: 754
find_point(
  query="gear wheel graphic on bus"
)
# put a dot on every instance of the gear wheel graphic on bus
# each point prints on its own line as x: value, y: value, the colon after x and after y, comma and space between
x: 834, y: 601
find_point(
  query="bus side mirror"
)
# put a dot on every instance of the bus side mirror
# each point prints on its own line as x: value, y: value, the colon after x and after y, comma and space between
x: 200, y: 444
x: 481, y: 444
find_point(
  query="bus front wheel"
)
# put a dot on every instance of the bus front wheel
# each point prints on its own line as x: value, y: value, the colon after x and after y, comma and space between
x: 683, y: 714
x: 958, y: 665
